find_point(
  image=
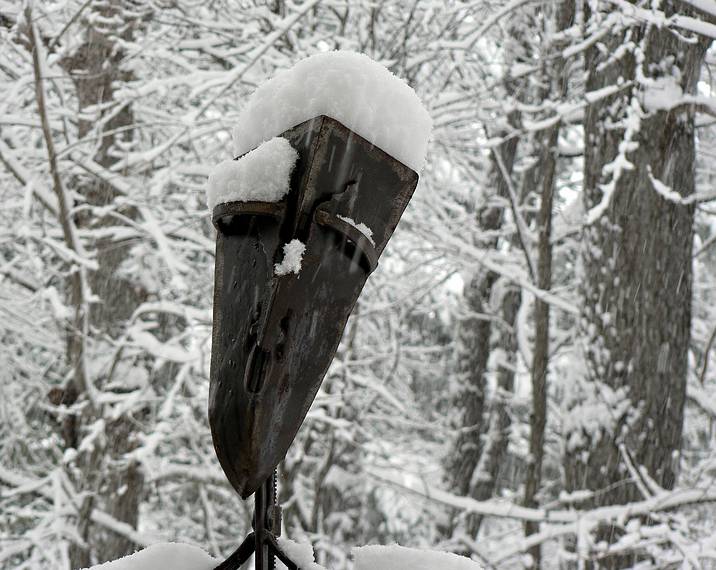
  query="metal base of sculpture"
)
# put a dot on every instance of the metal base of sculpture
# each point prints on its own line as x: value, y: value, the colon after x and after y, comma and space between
x: 262, y: 542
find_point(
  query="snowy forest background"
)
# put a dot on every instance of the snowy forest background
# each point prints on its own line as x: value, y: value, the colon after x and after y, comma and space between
x: 530, y: 376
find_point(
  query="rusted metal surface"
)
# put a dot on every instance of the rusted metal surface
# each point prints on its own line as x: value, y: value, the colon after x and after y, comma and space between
x: 275, y: 336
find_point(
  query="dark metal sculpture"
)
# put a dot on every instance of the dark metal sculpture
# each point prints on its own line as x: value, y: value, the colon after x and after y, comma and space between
x: 275, y: 336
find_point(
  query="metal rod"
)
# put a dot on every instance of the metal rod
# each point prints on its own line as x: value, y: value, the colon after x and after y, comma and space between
x: 272, y: 498
x: 261, y: 560
x: 240, y: 555
x: 262, y: 542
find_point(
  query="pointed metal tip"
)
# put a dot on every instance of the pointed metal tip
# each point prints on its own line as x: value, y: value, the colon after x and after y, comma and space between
x: 246, y: 485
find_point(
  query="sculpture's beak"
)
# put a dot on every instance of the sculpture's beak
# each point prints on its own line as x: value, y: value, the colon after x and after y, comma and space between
x: 276, y: 332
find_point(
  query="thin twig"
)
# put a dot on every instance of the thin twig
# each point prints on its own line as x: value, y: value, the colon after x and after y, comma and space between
x: 80, y: 284
x: 71, y: 21
x: 705, y: 367
x: 273, y: 38
x: 705, y: 246
x: 519, y: 220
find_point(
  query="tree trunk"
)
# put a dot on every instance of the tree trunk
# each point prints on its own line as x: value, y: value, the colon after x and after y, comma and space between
x: 474, y: 352
x: 488, y: 469
x: 637, y: 271
x: 540, y: 358
x: 107, y: 478
x: 555, y: 80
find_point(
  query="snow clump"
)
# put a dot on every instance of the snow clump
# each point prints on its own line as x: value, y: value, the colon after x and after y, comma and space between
x: 663, y: 94
x: 292, y: 256
x: 349, y: 87
x: 163, y: 556
x: 263, y: 175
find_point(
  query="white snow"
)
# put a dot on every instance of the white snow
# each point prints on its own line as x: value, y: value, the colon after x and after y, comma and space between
x: 621, y: 163
x: 396, y: 557
x: 593, y: 412
x: 361, y: 227
x: 163, y: 556
x: 262, y: 175
x: 663, y: 190
x: 708, y: 6
x: 519, y: 69
x: 663, y: 94
x: 696, y: 25
x: 300, y: 553
x: 292, y: 256
x: 175, y: 556
x: 349, y: 87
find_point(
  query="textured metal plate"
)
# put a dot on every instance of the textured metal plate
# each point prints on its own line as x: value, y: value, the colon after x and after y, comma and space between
x: 275, y: 336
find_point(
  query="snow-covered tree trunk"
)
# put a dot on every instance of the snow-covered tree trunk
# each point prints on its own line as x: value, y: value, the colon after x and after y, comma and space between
x: 499, y: 419
x: 555, y: 81
x: 637, y: 267
x: 540, y: 358
x: 105, y: 478
x: 470, y: 473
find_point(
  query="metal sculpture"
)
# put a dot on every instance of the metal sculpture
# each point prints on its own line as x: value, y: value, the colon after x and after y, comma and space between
x: 274, y: 335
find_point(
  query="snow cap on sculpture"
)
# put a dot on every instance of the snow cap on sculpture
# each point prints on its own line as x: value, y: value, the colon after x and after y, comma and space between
x: 349, y: 87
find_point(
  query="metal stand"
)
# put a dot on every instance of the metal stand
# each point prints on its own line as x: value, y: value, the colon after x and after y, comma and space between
x: 262, y: 542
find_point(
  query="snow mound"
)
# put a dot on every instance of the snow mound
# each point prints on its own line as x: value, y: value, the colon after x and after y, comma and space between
x: 262, y: 175
x: 163, y: 556
x: 300, y: 553
x: 349, y: 87
x: 292, y: 257
x: 396, y: 557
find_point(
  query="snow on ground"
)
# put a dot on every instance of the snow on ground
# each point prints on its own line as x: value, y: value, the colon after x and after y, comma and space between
x: 262, y: 175
x: 400, y: 558
x: 175, y: 556
x: 163, y: 556
x: 292, y: 257
x: 349, y: 87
